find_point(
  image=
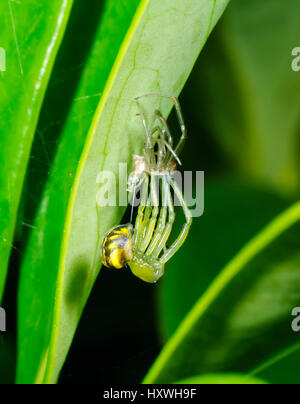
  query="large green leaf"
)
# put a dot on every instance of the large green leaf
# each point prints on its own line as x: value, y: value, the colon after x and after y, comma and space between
x: 30, y: 36
x: 153, y: 58
x: 232, y: 327
x: 37, y: 286
x: 249, y: 92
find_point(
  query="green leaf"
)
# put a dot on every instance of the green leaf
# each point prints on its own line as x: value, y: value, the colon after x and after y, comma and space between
x: 7, y: 358
x: 250, y: 59
x: 282, y: 369
x: 37, y: 284
x: 146, y: 63
x: 31, y: 35
x: 234, y: 213
x: 225, y: 378
x: 232, y: 327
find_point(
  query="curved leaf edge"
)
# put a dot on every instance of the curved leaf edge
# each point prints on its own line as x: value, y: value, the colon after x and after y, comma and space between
x: 222, y: 378
x: 272, y: 231
x: 49, y: 368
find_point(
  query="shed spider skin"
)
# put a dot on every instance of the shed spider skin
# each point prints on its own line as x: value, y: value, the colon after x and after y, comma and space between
x: 143, y: 247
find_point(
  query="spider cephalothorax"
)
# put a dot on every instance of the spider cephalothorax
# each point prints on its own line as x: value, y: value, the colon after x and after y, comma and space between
x: 141, y: 167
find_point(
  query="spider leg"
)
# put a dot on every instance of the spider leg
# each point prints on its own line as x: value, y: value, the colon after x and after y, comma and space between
x: 161, y: 222
x: 157, y: 115
x: 169, y: 142
x: 144, y: 226
x: 149, y: 152
x: 166, y: 133
x: 143, y: 117
x: 162, y: 140
x: 150, y: 226
x: 184, y: 232
x: 140, y: 215
x: 183, y: 137
x: 161, y: 145
x: 166, y: 231
x: 170, y: 150
x: 176, y: 103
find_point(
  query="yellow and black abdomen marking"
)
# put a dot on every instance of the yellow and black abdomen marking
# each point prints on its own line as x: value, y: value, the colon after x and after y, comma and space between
x: 117, y: 246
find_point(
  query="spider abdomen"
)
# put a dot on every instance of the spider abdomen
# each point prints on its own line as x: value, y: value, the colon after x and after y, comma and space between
x: 117, y: 246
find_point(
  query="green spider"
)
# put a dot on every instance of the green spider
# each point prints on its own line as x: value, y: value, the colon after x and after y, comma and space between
x: 143, y: 247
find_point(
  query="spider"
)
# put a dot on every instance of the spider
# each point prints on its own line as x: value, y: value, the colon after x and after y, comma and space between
x: 143, y: 247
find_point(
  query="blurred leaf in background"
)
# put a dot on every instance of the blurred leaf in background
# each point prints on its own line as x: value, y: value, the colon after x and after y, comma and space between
x: 247, y: 94
x: 233, y: 325
x: 233, y: 213
x: 283, y: 369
